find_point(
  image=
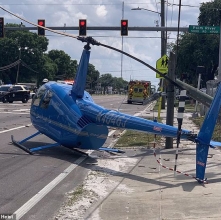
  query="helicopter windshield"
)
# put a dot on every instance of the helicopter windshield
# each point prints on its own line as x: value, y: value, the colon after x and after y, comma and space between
x: 40, y: 93
x: 46, y: 100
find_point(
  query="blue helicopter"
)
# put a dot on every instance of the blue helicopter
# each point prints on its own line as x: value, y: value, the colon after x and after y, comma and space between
x: 68, y: 115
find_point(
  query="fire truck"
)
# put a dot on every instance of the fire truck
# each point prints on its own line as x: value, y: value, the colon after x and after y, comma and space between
x: 138, y: 91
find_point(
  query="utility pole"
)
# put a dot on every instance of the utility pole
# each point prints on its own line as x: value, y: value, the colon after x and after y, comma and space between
x: 163, y: 48
x: 170, y: 97
x: 162, y: 14
x: 19, y: 59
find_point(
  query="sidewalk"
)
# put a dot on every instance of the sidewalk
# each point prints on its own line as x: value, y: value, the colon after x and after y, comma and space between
x: 136, y: 187
x: 155, y: 193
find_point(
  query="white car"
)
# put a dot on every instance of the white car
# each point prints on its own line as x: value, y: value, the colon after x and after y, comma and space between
x: 32, y: 95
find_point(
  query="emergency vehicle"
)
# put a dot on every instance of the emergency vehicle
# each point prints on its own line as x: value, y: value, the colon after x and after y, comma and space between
x: 138, y: 91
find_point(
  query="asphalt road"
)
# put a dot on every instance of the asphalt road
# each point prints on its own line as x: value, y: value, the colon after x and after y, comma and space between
x: 34, y: 187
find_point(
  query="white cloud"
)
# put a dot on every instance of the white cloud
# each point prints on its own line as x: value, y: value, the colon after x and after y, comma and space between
x: 101, y: 11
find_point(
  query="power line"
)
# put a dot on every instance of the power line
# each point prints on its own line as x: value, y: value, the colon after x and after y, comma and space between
x: 89, y: 4
x: 15, y: 64
x: 9, y: 66
x: 28, y: 67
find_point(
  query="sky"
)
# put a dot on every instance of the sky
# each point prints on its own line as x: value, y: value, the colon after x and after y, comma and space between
x: 145, y: 45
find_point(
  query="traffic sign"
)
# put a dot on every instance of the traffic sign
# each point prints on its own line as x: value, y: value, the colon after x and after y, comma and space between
x: 204, y: 29
x: 162, y: 65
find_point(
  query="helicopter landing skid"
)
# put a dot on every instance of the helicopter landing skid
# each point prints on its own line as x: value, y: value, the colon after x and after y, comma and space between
x: 31, y: 150
x: 17, y: 144
x: 111, y: 150
x: 80, y: 152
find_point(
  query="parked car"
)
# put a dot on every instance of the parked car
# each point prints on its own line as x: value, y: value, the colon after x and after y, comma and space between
x: 10, y: 93
x: 32, y: 94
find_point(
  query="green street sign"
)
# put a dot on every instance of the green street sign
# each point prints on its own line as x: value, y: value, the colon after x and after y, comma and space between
x: 204, y: 29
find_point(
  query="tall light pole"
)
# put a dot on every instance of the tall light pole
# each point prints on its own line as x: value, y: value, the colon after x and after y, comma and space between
x: 122, y: 43
x: 162, y: 15
x: 163, y: 41
x: 19, y: 59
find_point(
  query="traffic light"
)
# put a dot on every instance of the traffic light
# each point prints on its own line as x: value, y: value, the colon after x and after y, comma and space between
x: 1, y: 27
x: 82, y: 27
x: 124, y: 27
x: 41, y: 31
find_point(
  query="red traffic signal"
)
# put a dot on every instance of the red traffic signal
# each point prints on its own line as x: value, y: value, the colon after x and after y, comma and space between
x: 124, y: 28
x: 1, y: 27
x: 82, y: 27
x: 41, y: 31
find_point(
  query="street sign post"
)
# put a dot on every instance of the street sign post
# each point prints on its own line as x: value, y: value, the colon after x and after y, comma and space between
x: 162, y: 65
x: 204, y: 29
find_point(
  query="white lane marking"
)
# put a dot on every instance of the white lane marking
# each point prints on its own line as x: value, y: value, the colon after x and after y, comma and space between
x: 11, y: 104
x: 111, y: 132
x: 22, y: 109
x: 11, y: 129
x: 42, y: 193
x: 16, y: 113
x: 25, y: 109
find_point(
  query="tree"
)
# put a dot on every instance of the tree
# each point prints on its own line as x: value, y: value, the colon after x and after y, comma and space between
x: 66, y: 68
x: 200, y: 49
x: 48, y: 70
x: 119, y: 83
x: 24, y: 45
x: 92, y: 77
x: 210, y: 13
x: 36, y: 63
x: 106, y: 80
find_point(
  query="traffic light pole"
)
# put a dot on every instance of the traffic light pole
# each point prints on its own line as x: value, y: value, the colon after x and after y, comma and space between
x: 101, y: 28
x: 170, y: 97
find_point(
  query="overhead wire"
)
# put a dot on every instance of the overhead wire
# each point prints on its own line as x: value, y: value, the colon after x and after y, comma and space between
x: 10, y: 66
x: 89, y: 4
x: 25, y: 65
x: 15, y: 64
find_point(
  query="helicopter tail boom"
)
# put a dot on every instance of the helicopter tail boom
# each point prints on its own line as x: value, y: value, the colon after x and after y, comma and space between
x: 111, y: 118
